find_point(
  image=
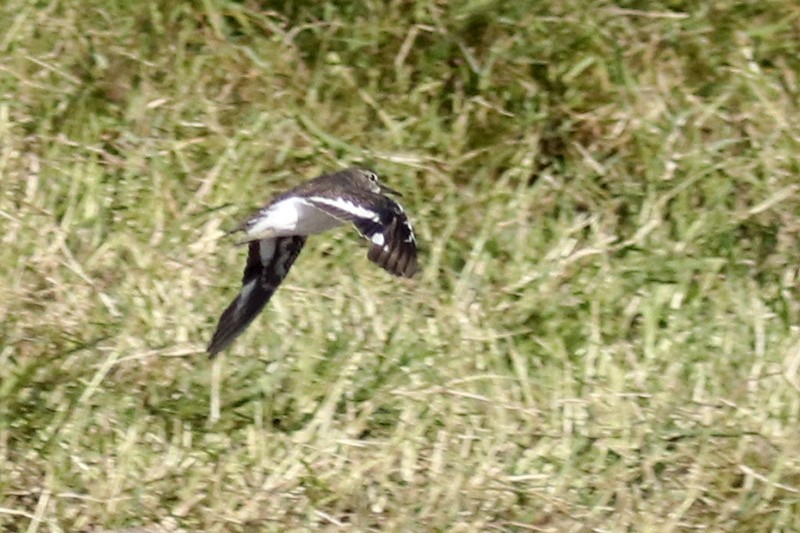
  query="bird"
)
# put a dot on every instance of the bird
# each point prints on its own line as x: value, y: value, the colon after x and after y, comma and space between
x: 276, y: 233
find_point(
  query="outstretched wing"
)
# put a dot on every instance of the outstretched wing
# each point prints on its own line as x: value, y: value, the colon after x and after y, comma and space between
x: 380, y: 219
x: 268, y: 262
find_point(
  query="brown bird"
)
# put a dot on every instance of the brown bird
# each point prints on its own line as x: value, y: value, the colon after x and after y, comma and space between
x: 277, y: 232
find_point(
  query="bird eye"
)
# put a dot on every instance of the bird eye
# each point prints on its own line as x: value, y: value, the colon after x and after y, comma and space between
x: 372, y: 176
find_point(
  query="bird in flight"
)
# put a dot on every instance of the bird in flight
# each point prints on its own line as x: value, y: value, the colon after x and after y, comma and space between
x: 276, y: 233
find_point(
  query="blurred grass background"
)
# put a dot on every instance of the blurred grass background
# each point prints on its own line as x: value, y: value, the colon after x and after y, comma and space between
x: 604, y: 335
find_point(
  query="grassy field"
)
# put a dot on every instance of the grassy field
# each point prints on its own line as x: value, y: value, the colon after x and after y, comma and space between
x: 604, y: 336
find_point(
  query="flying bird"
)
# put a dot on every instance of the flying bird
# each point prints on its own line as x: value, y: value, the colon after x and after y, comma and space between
x: 276, y: 233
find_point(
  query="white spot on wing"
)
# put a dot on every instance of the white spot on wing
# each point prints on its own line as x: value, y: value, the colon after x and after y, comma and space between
x: 378, y: 239
x: 410, y: 237
x: 245, y: 294
x: 266, y: 250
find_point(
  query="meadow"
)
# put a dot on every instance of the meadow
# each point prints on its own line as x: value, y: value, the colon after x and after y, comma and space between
x: 604, y: 334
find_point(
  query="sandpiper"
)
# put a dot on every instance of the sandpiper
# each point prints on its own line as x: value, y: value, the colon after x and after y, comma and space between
x: 276, y: 233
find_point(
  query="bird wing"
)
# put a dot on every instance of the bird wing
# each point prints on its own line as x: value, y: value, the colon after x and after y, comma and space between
x: 268, y: 262
x: 383, y: 222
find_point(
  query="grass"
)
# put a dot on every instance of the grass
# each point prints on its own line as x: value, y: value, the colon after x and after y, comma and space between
x: 604, y: 334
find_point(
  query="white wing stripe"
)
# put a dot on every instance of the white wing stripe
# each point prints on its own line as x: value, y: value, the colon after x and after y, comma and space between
x: 266, y: 250
x: 244, y: 295
x: 347, y: 206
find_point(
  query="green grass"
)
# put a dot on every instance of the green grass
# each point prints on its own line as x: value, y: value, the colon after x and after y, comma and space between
x: 605, y: 334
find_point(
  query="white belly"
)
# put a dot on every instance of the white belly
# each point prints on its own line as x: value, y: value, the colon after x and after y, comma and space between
x: 292, y: 216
